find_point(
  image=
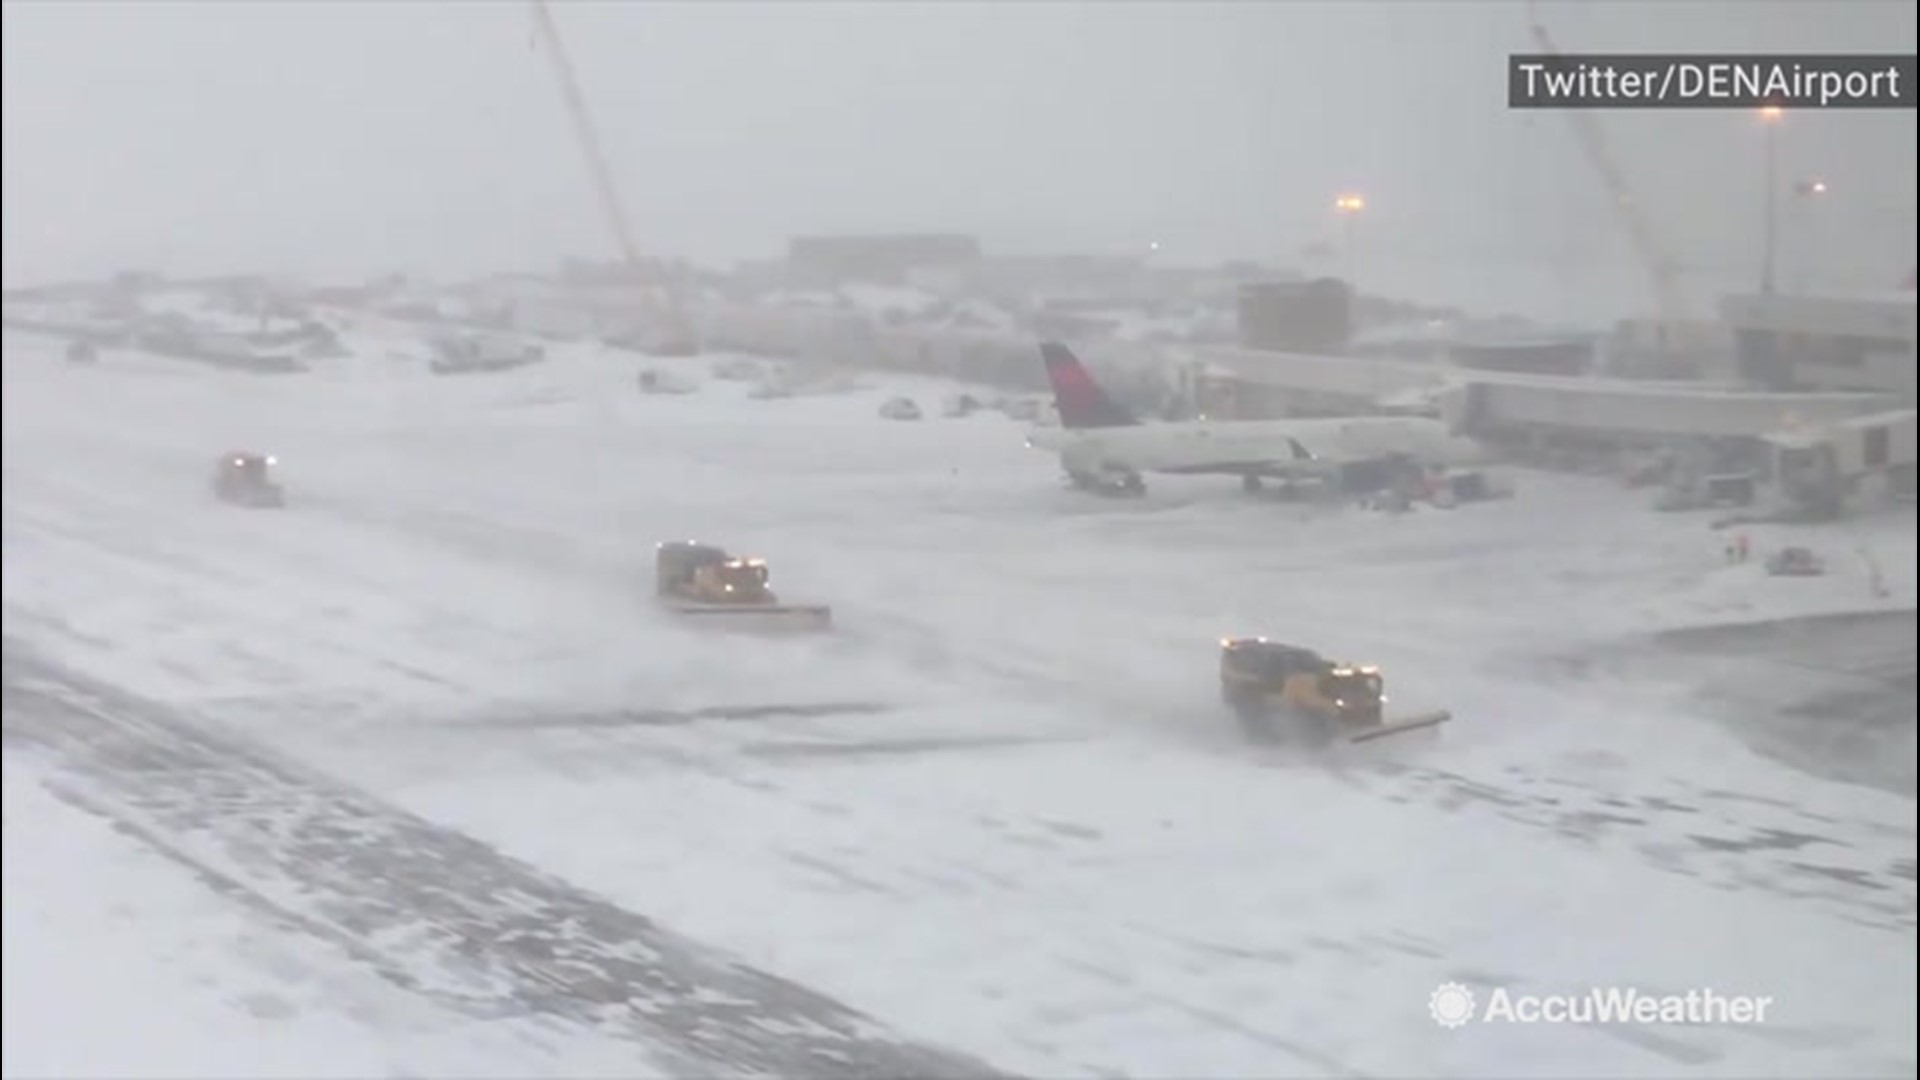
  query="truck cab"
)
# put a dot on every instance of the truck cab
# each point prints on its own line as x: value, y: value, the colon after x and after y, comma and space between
x: 706, y: 574
x: 1258, y: 675
x: 246, y: 479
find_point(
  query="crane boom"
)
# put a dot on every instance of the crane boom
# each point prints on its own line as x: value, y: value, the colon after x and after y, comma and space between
x: 602, y: 173
x: 1662, y: 270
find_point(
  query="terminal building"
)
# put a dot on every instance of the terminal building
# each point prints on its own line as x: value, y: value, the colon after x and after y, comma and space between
x: 823, y: 262
x: 1296, y: 316
x: 1828, y: 377
x: 1786, y: 342
x: 1810, y: 344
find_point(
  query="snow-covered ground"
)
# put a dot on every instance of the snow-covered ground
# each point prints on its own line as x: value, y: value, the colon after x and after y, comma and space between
x: 120, y: 962
x: 1018, y: 824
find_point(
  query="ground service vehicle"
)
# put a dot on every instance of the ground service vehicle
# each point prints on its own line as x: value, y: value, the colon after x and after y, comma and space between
x: 703, y: 581
x: 244, y: 479
x: 1270, y: 685
x: 900, y: 408
x: 1795, y: 562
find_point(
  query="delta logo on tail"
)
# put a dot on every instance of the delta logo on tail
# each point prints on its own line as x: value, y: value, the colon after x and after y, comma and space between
x: 1080, y: 400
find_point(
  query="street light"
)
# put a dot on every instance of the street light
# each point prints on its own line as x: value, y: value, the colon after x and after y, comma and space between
x: 1770, y: 116
x: 1805, y: 221
x: 1349, y: 206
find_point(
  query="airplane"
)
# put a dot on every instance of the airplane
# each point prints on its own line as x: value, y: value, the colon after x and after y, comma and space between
x: 1105, y: 449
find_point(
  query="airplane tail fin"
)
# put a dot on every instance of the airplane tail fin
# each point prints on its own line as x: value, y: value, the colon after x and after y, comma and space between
x: 1080, y: 400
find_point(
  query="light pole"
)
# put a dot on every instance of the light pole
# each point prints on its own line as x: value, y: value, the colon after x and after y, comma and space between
x: 1806, y: 224
x: 1349, y: 207
x: 1770, y: 117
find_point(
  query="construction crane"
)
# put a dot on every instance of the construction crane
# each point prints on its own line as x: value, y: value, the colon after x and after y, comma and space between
x: 680, y: 339
x: 1661, y: 268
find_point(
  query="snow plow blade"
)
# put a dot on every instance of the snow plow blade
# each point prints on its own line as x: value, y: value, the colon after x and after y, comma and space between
x: 1402, y: 725
x: 769, y: 617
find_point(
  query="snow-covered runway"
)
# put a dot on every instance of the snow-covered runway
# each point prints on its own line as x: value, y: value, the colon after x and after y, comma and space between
x: 120, y: 961
x: 1016, y: 823
x: 428, y: 909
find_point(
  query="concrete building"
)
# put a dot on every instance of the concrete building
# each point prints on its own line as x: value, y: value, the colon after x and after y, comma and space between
x: 1825, y: 342
x: 1296, y: 316
x: 823, y: 262
x: 1028, y: 278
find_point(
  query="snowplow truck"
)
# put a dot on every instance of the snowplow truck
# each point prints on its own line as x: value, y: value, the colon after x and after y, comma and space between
x: 243, y: 479
x: 1268, y: 684
x: 703, y: 581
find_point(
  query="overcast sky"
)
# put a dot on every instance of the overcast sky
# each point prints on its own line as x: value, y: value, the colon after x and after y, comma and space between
x: 350, y: 138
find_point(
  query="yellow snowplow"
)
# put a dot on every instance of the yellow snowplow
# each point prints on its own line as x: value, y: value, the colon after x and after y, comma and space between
x: 245, y: 479
x: 1264, y: 680
x: 705, y: 582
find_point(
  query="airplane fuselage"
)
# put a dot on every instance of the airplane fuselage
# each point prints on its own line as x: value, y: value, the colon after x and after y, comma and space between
x: 1259, y: 448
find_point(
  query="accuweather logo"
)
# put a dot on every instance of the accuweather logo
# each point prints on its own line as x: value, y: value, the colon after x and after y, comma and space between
x: 1452, y: 1006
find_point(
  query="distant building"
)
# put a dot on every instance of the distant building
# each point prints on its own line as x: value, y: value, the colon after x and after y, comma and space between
x: 1019, y: 280
x: 822, y: 262
x: 1825, y: 342
x: 1296, y: 316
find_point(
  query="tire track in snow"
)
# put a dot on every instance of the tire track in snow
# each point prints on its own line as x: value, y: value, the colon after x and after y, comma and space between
x: 440, y: 910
